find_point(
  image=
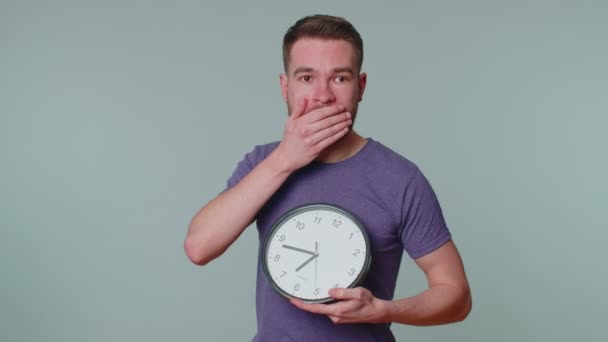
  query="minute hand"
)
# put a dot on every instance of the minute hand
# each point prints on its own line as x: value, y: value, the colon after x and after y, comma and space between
x: 299, y: 249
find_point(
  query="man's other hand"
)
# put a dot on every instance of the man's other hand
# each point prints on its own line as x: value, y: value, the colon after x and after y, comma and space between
x: 356, y: 305
x: 307, y: 135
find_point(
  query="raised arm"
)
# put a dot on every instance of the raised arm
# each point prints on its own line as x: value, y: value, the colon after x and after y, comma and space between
x: 221, y: 221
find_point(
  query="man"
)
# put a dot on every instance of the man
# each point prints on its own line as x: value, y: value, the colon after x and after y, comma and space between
x: 322, y: 159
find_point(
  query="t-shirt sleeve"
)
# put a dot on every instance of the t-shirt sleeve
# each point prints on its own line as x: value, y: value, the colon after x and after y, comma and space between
x: 242, y: 169
x: 249, y: 162
x: 423, y: 228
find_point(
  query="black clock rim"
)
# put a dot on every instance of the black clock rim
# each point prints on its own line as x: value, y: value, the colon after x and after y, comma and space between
x: 306, y: 207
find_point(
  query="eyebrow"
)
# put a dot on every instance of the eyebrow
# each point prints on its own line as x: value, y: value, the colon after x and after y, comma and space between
x: 344, y: 69
x: 304, y: 69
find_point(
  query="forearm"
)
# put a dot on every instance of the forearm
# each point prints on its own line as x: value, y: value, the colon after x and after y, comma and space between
x: 440, y: 304
x: 215, y: 227
x: 219, y: 223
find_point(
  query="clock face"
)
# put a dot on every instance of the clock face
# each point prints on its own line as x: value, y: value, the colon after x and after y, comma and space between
x: 314, y: 248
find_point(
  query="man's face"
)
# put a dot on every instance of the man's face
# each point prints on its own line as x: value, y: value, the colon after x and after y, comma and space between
x: 325, y: 73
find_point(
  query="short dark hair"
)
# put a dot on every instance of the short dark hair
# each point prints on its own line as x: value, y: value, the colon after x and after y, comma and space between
x: 323, y: 27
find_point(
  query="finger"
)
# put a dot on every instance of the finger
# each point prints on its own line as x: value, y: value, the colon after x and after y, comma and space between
x: 322, y: 309
x: 341, y: 293
x: 343, y: 320
x: 299, y: 110
x: 330, y: 121
x: 332, y: 139
x: 346, y: 294
x: 330, y: 135
x: 323, y: 112
x: 338, y: 319
x: 340, y: 312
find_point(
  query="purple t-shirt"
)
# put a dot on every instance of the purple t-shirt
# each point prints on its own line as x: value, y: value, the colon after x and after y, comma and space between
x: 391, y: 198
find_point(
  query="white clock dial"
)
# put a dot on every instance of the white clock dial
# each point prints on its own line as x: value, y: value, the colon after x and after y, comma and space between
x: 314, y: 248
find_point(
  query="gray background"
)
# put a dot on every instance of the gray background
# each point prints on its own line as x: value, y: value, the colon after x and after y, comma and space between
x: 119, y: 119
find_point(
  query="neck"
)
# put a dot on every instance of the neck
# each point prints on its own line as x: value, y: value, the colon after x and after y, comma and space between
x: 343, y: 149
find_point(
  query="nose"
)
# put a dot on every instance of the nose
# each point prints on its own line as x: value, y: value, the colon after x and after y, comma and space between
x: 323, y: 94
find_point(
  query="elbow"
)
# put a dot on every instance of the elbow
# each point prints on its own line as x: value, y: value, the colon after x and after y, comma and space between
x: 466, y: 308
x: 196, y: 252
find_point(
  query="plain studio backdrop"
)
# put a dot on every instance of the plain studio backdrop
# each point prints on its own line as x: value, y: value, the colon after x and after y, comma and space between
x: 119, y: 119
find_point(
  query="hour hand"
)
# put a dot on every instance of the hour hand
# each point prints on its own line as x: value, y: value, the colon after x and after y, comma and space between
x: 299, y: 249
x: 314, y: 257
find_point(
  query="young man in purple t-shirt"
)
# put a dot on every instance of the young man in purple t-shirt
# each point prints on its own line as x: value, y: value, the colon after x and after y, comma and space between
x: 321, y: 159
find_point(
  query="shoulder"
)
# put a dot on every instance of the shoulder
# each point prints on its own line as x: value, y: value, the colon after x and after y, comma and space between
x: 260, y: 152
x: 392, y: 163
x: 250, y: 161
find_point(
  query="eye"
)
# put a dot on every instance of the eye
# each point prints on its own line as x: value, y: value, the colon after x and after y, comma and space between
x: 341, y: 79
x: 306, y: 78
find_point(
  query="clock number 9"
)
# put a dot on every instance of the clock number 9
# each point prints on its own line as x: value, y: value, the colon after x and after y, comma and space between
x: 282, y: 238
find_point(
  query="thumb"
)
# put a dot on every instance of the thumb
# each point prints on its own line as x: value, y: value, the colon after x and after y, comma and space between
x: 339, y: 293
x: 300, y: 109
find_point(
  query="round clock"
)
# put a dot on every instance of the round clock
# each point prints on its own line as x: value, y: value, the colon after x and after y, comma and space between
x: 314, y: 248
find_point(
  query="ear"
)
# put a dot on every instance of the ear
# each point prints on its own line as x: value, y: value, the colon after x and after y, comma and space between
x: 283, y: 80
x: 362, y: 84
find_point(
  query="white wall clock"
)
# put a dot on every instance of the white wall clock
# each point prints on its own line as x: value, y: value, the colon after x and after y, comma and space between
x: 314, y: 248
